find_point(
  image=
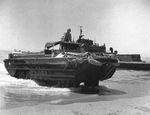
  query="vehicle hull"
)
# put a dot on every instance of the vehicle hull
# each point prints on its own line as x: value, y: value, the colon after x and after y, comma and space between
x: 62, y: 72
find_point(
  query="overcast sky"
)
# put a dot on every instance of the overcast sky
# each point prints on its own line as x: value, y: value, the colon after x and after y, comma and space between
x: 122, y: 24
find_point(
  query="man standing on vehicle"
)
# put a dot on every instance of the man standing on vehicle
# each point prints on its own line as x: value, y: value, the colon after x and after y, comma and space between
x: 67, y: 37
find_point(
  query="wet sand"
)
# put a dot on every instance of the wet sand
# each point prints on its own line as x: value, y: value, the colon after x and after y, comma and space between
x: 127, y: 93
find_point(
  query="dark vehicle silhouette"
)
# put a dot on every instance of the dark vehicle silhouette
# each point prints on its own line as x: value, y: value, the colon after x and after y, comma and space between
x: 70, y: 65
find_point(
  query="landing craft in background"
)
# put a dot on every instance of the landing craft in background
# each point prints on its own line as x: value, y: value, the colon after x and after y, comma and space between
x: 68, y: 66
x: 132, y: 62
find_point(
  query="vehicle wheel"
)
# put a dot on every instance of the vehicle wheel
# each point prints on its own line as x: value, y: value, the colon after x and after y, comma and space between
x: 96, y: 83
x: 91, y: 83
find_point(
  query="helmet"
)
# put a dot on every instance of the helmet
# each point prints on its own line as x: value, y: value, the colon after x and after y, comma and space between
x: 69, y: 30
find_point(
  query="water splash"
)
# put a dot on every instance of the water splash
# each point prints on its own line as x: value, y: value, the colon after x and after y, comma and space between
x: 14, y: 91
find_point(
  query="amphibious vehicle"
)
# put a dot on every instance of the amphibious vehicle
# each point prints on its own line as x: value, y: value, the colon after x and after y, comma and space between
x: 72, y: 64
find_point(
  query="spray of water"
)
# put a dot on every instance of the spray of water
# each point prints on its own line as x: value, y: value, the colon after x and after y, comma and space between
x: 26, y: 87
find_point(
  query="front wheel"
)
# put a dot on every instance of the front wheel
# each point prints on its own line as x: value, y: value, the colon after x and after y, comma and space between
x: 91, y: 83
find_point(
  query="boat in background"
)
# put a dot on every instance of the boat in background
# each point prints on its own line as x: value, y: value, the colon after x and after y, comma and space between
x: 132, y: 62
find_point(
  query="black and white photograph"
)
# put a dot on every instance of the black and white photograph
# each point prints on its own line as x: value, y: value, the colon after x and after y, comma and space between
x: 74, y: 57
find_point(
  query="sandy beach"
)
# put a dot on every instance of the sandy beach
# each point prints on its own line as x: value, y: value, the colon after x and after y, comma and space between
x: 134, y: 106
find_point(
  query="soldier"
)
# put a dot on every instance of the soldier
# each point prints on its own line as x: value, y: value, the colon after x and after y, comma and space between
x: 67, y: 37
